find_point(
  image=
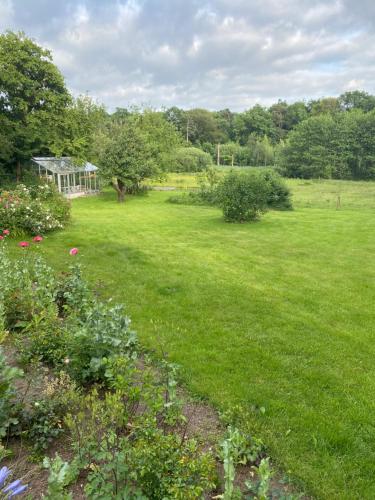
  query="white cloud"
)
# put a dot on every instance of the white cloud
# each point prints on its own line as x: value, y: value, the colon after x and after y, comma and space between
x: 208, y: 53
x: 6, y: 14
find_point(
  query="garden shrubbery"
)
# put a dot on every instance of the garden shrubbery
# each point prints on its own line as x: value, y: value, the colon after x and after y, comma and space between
x: 189, y: 160
x: 36, y: 209
x: 243, y: 196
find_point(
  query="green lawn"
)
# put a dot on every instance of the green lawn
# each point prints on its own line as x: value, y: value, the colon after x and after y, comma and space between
x: 278, y: 313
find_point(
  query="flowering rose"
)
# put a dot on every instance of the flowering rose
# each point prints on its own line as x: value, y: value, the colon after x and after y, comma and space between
x: 1, y: 237
x: 6, y: 232
x: 23, y: 244
x: 73, y: 251
x: 38, y: 239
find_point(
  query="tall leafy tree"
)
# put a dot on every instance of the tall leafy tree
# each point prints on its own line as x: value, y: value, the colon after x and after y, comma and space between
x: 32, y: 97
x: 257, y: 121
x: 136, y: 149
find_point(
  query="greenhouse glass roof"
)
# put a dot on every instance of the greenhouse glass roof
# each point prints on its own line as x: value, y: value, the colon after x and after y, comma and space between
x: 63, y: 165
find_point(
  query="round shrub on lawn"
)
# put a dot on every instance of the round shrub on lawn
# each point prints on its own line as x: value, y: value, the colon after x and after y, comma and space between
x: 243, y: 196
x: 189, y: 160
x: 279, y: 196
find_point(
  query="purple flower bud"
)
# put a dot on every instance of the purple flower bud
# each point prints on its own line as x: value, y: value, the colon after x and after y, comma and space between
x: 12, y: 486
x: 18, y: 490
x: 4, y: 473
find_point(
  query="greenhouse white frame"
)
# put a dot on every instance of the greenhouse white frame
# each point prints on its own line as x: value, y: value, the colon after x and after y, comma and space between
x: 72, y: 180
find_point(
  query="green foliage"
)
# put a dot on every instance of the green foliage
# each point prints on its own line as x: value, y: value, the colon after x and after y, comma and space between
x: 44, y: 339
x: 102, y: 332
x: 8, y: 400
x: 332, y: 146
x: 242, y: 196
x: 27, y: 288
x: 43, y: 422
x: 228, y: 453
x: 61, y: 474
x: 189, y: 160
x: 261, y: 488
x: 279, y: 195
x: 33, y: 96
x: 135, y: 149
x: 126, y: 451
x: 35, y: 210
x: 73, y: 296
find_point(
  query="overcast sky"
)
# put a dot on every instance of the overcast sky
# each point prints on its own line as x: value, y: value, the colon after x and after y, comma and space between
x: 213, y: 54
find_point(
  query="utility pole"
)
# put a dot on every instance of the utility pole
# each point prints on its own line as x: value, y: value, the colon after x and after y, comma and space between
x: 218, y: 154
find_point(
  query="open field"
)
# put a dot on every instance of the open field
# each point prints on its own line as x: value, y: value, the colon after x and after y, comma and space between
x: 277, y: 314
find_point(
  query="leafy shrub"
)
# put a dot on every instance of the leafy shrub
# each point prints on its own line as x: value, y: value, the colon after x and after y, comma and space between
x: 123, y: 439
x: 27, y: 287
x: 73, y: 295
x: 61, y: 475
x: 34, y: 210
x: 279, y: 196
x: 44, y: 339
x: 189, y: 160
x: 43, y: 422
x: 103, y: 332
x: 8, y: 403
x: 243, y: 196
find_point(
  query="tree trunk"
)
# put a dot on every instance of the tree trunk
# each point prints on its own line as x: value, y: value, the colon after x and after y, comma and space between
x: 18, y: 171
x: 120, y: 188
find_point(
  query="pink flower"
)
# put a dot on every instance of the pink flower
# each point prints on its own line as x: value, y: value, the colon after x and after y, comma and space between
x: 73, y: 251
x: 37, y: 239
x: 6, y: 232
x: 23, y: 244
x: 1, y: 237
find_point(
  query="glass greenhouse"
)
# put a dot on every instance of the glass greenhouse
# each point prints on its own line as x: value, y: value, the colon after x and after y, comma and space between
x: 72, y: 180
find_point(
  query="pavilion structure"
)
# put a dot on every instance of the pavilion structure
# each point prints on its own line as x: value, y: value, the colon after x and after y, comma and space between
x: 71, y: 179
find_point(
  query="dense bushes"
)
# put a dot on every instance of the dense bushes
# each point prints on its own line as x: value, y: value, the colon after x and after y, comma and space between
x: 242, y: 196
x: 35, y: 209
x: 189, y: 160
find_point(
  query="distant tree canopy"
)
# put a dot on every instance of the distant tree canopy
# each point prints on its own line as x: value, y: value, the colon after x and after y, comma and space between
x: 340, y: 146
x: 327, y: 137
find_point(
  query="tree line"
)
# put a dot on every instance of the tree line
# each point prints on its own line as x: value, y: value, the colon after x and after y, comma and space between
x: 328, y: 137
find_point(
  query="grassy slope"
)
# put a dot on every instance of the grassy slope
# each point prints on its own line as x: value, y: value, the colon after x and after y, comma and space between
x: 276, y: 314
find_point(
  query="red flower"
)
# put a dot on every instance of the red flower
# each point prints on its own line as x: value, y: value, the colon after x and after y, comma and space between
x: 1, y: 237
x: 6, y: 232
x: 23, y: 244
x: 73, y: 251
x: 37, y: 239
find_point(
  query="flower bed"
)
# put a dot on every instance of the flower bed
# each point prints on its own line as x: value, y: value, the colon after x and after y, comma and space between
x: 36, y: 209
x: 120, y: 414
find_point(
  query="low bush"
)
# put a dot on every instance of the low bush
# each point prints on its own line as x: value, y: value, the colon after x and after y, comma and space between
x: 44, y: 420
x: 103, y: 332
x: 243, y: 196
x: 27, y: 288
x: 132, y: 453
x: 279, y: 195
x: 8, y: 400
x: 35, y: 209
x: 189, y: 160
